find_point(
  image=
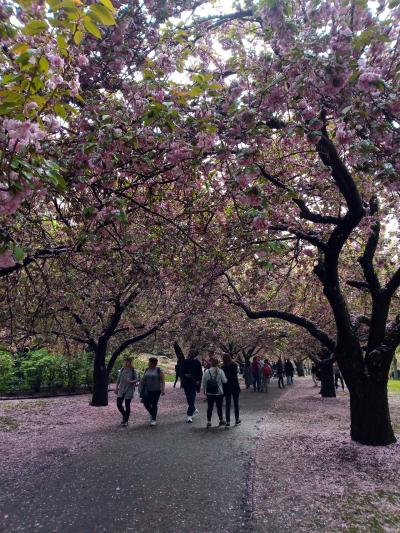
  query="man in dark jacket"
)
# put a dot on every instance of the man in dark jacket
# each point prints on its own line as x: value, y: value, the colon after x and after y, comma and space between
x: 289, y: 371
x: 192, y: 374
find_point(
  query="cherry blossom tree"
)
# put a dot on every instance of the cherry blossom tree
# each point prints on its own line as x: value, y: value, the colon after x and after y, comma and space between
x: 310, y: 118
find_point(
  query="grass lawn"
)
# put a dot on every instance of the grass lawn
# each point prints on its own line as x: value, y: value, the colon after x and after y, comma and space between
x: 394, y: 385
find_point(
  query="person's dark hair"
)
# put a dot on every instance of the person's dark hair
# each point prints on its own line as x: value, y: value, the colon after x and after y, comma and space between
x: 128, y: 360
x: 153, y: 361
x: 227, y: 359
x: 214, y: 362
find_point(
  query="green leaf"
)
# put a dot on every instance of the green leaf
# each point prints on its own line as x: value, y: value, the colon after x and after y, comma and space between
x: 20, y: 48
x: 62, y: 43
x: 34, y: 27
x: 108, y: 4
x: 88, y: 212
x: 43, y: 64
x: 102, y: 14
x: 60, y: 111
x: 195, y: 91
x: 78, y: 36
x: 92, y: 28
x: 19, y: 254
x: 346, y: 110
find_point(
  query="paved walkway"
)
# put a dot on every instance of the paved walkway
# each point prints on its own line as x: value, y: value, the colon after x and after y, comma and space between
x: 174, y: 477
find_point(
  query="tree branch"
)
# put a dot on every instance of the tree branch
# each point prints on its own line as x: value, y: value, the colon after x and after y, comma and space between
x: 129, y: 342
x: 366, y: 260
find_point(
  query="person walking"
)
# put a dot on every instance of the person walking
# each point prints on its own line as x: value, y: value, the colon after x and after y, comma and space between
x: 247, y: 372
x: 338, y: 376
x: 255, y: 373
x: 279, y: 372
x: 289, y: 371
x: 125, y: 389
x: 266, y: 376
x: 192, y: 374
x: 231, y: 389
x: 152, y: 385
x: 314, y: 374
x: 213, y: 381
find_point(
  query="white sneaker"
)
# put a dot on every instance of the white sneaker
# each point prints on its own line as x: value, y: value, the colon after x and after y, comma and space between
x: 196, y: 412
x: 153, y: 423
x: 189, y: 420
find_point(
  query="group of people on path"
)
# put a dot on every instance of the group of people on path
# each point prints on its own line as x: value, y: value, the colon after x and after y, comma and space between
x: 217, y: 383
x: 260, y: 372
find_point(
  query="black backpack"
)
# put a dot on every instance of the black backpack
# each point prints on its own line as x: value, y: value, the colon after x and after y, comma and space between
x: 212, y: 383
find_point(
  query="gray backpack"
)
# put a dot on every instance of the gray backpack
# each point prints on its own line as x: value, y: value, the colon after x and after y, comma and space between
x: 212, y: 383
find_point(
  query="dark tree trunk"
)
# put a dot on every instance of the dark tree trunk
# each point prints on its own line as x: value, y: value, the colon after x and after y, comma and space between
x: 100, y: 381
x: 369, y: 410
x: 328, y: 389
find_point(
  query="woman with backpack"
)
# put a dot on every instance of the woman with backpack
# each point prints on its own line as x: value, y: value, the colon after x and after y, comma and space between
x: 125, y: 389
x: 213, y: 382
x: 231, y: 388
x: 152, y: 386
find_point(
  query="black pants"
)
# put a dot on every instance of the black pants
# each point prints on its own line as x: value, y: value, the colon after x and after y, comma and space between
x: 127, y: 411
x: 190, y: 391
x: 337, y: 377
x: 280, y: 381
x: 228, y: 399
x: 151, y: 403
x: 217, y: 399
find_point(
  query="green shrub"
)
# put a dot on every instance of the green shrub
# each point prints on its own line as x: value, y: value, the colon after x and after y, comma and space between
x: 8, y: 376
x: 42, y: 368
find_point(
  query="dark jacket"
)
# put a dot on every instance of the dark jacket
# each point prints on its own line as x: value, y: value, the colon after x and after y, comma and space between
x: 289, y: 370
x: 191, y: 372
x: 231, y: 373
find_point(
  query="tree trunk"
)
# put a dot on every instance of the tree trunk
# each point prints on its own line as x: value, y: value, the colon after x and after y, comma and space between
x: 100, y: 381
x: 328, y: 389
x: 369, y: 411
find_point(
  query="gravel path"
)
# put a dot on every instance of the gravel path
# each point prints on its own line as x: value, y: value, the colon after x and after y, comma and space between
x: 169, y: 478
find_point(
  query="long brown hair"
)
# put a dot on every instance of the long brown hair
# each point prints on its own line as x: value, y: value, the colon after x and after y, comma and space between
x: 227, y: 359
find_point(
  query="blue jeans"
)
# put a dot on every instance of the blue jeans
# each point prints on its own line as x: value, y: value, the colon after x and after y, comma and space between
x: 190, y: 391
x: 290, y: 379
x: 256, y: 382
x: 228, y: 400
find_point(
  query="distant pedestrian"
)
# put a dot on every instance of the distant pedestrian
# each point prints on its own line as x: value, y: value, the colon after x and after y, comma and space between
x: 255, y: 374
x: 314, y: 374
x: 192, y: 374
x: 338, y: 376
x: 125, y: 389
x: 266, y: 376
x: 279, y: 373
x: 231, y: 388
x: 152, y: 385
x: 213, y: 381
x: 289, y: 371
x: 247, y: 372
